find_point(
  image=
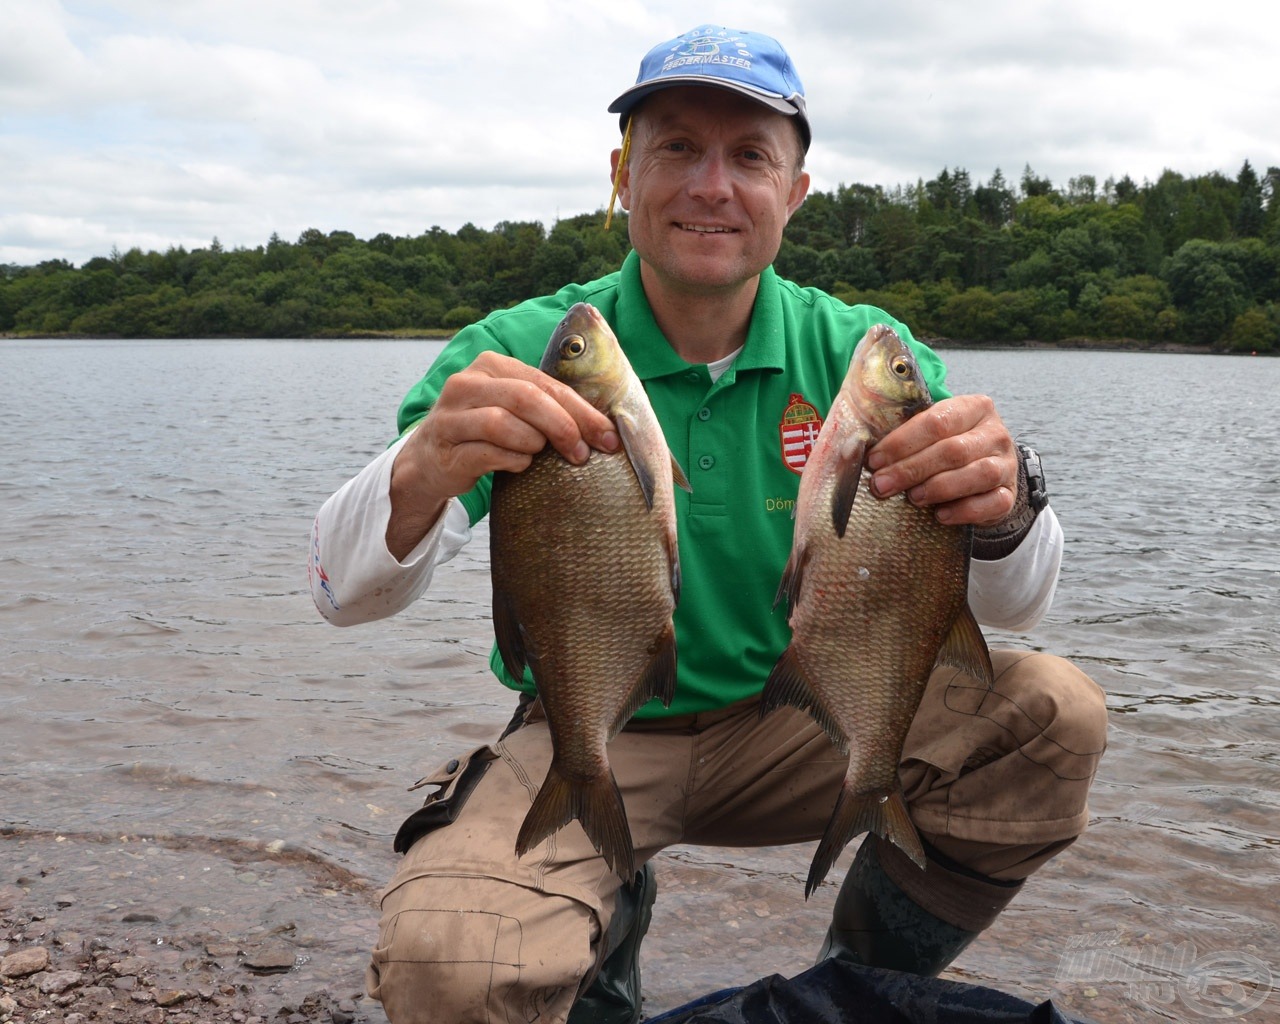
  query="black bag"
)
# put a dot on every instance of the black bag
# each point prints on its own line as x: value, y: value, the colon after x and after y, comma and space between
x: 838, y: 992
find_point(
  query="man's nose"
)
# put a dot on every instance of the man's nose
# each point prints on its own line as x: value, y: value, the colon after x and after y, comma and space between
x: 711, y: 178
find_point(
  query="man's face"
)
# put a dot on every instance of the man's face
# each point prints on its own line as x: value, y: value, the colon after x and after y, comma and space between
x: 711, y: 184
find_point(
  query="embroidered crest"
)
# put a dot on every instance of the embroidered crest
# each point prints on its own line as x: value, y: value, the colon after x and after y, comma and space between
x: 799, y: 429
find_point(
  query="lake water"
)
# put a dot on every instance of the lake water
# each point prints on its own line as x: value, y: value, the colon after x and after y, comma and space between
x: 187, y: 745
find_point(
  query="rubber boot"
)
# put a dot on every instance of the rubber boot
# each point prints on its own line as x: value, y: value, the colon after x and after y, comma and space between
x: 614, y: 996
x: 876, y: 924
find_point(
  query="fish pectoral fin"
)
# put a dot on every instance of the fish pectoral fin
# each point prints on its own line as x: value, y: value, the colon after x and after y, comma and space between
x: 657, y: 680
x: 848, y: 477
x: 788, y: 685
x: 884, y: 813
x: 510, y: 636
x: 629, y: 433
x: 678, y: 476
x: 965, y: 648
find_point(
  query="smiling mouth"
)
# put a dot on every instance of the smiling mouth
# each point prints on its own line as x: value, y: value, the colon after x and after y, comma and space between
x: 703, y: 229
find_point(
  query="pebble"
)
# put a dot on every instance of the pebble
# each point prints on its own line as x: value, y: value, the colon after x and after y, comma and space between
x: 273, y: 959
x: 172, y: 997
x: 57, y: 982
x: 25, y: 962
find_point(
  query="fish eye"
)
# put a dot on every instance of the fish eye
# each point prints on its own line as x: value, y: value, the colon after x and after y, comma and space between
x: 901, y: 368
x: 573, y: 346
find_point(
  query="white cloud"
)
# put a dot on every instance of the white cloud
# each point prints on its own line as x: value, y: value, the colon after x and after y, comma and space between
x: 150, y: 123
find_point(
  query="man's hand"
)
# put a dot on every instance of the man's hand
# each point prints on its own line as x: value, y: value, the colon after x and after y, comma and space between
x: 497, y: 414
x: 956, y: 457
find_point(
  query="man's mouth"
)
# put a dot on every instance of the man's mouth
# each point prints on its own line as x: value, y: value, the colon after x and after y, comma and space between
x: 707, y: 229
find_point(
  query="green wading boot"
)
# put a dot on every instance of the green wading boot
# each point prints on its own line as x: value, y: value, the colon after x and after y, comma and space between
x: 875, y: 924
x: 614, y: 996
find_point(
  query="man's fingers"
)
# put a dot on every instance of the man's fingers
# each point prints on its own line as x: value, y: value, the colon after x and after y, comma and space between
x: 554, y: 410
x: 985, y: 509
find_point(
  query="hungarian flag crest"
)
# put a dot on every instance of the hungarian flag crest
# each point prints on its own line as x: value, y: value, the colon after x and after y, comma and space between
x: 799, y: 429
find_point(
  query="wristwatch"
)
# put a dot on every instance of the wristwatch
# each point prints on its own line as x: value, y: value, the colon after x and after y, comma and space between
x: 1037, y: 493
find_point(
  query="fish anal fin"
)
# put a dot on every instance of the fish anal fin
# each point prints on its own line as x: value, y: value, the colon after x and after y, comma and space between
x: 848, y: 477
x: 965, y: 648
x: 787, y: 685
x: 882, y: 812
x: 657, y: 680
x: 595, y: 803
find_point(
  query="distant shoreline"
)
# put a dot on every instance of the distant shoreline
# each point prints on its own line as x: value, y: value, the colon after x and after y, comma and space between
x: 438, y: 334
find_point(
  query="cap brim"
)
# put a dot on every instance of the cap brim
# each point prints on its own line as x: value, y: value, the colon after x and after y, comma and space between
x: 792, y: 106
x: 783, y: 105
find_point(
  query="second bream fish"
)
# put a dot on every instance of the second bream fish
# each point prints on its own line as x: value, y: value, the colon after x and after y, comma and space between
x: 878, y: 593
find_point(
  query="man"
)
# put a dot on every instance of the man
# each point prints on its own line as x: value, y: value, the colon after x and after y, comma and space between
x: 735, y: 360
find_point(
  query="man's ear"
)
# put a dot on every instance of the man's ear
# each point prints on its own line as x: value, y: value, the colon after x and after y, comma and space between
x: 620, y: 178
x: 799, y: 189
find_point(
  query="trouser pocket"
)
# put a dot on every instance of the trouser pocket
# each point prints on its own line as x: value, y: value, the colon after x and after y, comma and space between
x: 454, y: 780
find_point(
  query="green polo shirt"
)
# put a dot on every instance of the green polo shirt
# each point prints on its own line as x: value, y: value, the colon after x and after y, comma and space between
x: 741, y: 440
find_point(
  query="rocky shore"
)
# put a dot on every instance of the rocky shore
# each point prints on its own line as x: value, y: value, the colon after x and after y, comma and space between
x: 90, y: 932
x: 76, y: 980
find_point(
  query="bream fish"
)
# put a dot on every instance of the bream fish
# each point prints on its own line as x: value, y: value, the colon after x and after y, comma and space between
x: 586, y: 574
x: 877, y: 594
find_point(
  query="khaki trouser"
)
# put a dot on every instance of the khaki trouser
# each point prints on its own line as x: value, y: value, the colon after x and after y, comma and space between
x: 995, y: 779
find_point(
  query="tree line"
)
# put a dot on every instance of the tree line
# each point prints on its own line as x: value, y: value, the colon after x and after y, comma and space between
x: 1193, y: 260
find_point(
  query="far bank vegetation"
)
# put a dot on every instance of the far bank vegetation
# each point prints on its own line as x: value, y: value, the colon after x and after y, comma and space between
x: 1176, y: 261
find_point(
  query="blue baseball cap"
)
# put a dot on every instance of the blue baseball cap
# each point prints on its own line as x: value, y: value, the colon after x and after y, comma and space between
x: 749, y: 63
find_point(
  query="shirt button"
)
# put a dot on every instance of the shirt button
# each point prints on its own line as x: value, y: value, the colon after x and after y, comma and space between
x: 704, y: 414
x: 706, y: 461
x: 691, y: 375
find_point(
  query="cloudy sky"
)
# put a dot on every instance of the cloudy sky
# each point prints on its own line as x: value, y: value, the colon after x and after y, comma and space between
x: 154, y: 123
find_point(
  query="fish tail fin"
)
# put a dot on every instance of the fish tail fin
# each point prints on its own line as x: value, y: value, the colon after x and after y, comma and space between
x: 884, y: 813
x: 596, y: 804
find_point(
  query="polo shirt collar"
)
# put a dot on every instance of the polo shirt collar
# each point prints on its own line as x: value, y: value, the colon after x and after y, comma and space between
x: 652, y: 356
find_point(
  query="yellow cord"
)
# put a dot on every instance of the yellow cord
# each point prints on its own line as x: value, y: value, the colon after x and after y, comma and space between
x: 623, y: 155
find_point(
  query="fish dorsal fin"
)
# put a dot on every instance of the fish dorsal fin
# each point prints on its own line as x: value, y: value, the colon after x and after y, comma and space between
x: 965, y: 648
x: 848, y: 476
x: 788, y: 685
x: 509, y: 635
